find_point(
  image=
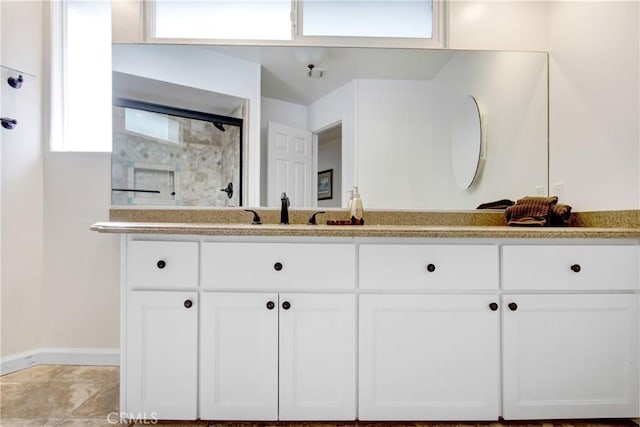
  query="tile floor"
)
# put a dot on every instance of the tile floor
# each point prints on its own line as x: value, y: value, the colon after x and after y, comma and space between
x: 79, y: 396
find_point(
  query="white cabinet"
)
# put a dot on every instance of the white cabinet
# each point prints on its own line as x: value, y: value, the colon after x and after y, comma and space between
x: 161, y: 355
x: 242, y: 335
x: 570, y: 356
x: 428, y: 267
x: 289, y: 266
x: 239, y: 356
x: 429, y: 357
x: 570, y: 267
x: 237, y: 329
x: 161, y: 265
x: 317, y: 357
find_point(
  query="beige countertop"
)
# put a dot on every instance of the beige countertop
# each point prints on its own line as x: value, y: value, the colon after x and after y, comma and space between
x: 423, y: 231
x: 379, y: 223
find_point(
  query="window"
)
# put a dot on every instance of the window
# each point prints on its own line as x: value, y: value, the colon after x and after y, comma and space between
x: 372, y: 18
x: 153, y: 125
x: 80, y: 110
x: 223, y: 19
x: 331, y: 22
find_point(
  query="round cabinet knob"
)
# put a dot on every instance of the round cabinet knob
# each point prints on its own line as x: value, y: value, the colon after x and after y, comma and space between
x: 576, y: 268
x: 431, y: 268
x: 286, y: 305
x: 493, y: 306
x: 513, y: 306
x: 271, y: 305
x: 161, y: 264
x: 277, y: 266
x: 188, y: 303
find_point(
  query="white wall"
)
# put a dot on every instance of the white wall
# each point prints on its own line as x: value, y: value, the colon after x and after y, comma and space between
x: 594, y: 103
x: 594, y: 119
x: 498, y: 24
x: 339, y: 106
x: 330, y: 157
x: 22, y: 181
x: 394, y: 143
x: 511, y: 91
x: 404, y: 132
x: 81, y: 280
x: 198, y: 67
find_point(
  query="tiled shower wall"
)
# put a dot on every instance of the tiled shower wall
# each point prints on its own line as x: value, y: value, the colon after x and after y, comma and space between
x: 203, y: 162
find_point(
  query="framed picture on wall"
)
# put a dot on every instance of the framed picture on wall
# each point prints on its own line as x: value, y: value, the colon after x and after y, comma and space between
x: 325, y: 184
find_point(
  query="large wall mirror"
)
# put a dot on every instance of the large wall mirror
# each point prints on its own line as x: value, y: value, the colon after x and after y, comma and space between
x: 381, y: 119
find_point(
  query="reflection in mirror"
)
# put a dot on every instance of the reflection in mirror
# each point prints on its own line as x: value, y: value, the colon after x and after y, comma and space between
x: 466, y: 142
x: 174, y: 157
x: 395, y: 109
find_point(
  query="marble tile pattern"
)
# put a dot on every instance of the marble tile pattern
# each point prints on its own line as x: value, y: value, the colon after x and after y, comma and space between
x: 203, y: 161
x: 56, y: 395
x: 85, y: 396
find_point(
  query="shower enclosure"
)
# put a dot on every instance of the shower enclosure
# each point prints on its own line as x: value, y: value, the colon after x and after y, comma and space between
x: 168, y: 156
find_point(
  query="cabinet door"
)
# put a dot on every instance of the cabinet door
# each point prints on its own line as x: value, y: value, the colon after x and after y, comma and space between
x: 239, y: 356
x: 570, y: 356
x: 161, y: 355
x: 429, y: 357
x: 317, y: 357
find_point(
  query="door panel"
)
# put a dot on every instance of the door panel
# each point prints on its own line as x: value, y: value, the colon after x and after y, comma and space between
x: 570, y: 356
x: 289, y: 165
x: 162, y: 333
x: 239, y: 356
x: 317, y: 357
x: 428, y: 357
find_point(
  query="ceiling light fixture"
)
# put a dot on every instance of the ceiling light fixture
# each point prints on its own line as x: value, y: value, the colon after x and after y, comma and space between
x: 314, y: 73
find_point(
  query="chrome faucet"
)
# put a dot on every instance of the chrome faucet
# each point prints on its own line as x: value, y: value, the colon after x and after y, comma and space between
x: 284, y: 209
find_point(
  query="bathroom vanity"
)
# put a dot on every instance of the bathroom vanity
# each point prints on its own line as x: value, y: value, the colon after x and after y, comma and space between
x: 239, y: 322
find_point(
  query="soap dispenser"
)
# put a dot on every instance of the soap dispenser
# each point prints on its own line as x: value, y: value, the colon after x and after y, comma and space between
x: 350, y: 192
x: 357, y: 212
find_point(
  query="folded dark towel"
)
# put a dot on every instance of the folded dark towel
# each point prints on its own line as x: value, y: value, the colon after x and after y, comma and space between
x: 529, y: 221
x: 498, y: 204
x: 560, y: 215
x: 530, y: 211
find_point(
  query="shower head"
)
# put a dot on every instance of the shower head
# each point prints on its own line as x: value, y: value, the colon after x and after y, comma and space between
x: 219, y: 126
x: 15, y: 83
x: 8, y: 123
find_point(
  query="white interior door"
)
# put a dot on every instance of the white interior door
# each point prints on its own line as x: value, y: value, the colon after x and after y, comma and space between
x: 290, y: 166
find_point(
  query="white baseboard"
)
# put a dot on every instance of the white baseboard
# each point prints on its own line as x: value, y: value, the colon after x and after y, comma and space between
x: 19, y: 361
x: 60, y: 356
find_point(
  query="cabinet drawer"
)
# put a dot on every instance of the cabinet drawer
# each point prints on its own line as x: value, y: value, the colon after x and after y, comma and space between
x: 278, y: 266
x: 569, y: 267
x: 162, y: 265
x: 428, y: 266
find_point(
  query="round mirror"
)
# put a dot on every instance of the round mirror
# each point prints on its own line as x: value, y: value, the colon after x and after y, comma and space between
x: 466, y: 142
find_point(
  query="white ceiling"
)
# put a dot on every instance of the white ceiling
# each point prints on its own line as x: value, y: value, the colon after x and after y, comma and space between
x: 284, y: 75
x: 178, y: 96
